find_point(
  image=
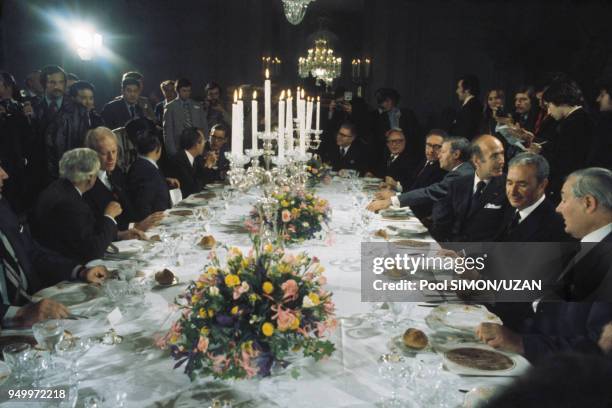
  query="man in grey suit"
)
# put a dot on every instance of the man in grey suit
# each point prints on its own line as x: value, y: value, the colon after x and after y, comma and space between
x: 182, y: 113
x: 454, y: 157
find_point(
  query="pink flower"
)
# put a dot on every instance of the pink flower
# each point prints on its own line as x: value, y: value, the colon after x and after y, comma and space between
x: 245, y: 363
x: 220, y: 362
x: 239, y: 290
x: 286, y: 215
x: 290, y: 289
x: 328, y: 325
x: 203, y: 344
x: 329, y: 307
x: 322, y: 280
x: 285, y: 318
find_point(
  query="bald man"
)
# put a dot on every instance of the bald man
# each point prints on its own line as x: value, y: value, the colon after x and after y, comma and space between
x: 474, y: 208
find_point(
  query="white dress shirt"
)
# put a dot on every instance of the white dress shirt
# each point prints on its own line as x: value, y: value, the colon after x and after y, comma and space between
x: 524, y: 213
x: 476, y: 181
x: 190, y: 157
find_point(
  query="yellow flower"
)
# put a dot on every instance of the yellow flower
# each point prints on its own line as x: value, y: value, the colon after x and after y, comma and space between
x: 173, y: 339
x: 295, y: 324
x: 204, y: 331
x: 248, y: 347
x: 202, y: 313
x: 268, y: 287
x: 234, y: 252
x: 195, y: 299
x: 244, y: 263
x: 268, y: 248
x: 253, y: 298
x: 314, y: 298
x: 267, y: 329
x: 232, y: 280
x: 211, y: 270
x: 235, y: 310
x: 284, y: 203
x: 211, y: 313
x: 199, y: 285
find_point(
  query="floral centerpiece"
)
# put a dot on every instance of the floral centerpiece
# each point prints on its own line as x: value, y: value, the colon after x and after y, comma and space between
x: 238, y: 319
x: 318, y: 171
x: 300, y: 215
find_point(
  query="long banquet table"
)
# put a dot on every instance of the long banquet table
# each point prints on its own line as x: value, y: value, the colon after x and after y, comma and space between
x: 144, y: 375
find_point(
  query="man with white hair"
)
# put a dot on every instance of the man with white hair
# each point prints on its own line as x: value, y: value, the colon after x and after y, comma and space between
x: 573, y: 317
x: 111, y: 186
x: 62, y: 219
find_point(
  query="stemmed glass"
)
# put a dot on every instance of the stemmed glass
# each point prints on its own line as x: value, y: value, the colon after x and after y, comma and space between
x: 393, y: 368
x: 49, y: 333
x: 73, y: 349
x: 17, y: 356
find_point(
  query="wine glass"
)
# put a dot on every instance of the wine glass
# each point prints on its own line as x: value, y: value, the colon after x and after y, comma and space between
x: 49, y: 333
x: 393, y: 368
x: 396, y: 309
x: 16, y: 356
x: 73, y: 349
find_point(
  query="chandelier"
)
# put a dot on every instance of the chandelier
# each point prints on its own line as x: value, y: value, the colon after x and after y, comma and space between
x: 320, y: 63
x: 295, y: 10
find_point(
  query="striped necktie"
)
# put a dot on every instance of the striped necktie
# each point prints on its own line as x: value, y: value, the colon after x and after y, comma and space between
x: 12, y: 273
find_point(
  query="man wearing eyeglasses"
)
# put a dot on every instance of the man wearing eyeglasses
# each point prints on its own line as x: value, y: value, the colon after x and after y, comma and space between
x: 349, y: 153
x: 215, y: 163
x: 397, y: 166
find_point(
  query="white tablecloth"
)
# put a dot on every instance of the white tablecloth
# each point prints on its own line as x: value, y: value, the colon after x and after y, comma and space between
x: 145, y: 373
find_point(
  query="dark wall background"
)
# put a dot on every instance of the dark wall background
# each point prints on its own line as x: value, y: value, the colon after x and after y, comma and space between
x: 417, y: 47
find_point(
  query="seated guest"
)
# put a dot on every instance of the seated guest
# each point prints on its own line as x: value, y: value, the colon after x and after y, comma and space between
x: 530, y: 217
x: 570, y: 148
x: 120, y: 110
x: 600, y: 155
x: 62, y: 219
x: 468, y: 118
x: 187, y: 166
x: 167, y: 89
x: 473, y: 209
x: 397, y: 166
x: 349, y: 153
x: 525, y: 108
x: 215, y: 163
x: 182, y: 113
x: 111, y: 186
x: 82, y: 92
x: 454, y: 158
x: 26, y: 267
x: 576, y: 321
x: 146, y: 185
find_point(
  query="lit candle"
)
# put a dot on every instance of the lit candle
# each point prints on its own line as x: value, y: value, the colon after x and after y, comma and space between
x: 240, y: 123
x: 254, y: 121
x: 309, y: 115
x: 318, y: 113
x: 235, y: 124
x: 268, y: 101
x: 281, y: 126
x: 302, y: 123
x: 289, y: 121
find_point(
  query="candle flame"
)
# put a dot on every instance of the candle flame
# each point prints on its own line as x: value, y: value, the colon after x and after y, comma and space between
x: 240, y: 93
x: 254, y: 95
x: 318, y: 99
x: 267, y: 73
x: 282, y: 95
x: 302, y: 93
x: 235, y: 95
x: 288, y: 93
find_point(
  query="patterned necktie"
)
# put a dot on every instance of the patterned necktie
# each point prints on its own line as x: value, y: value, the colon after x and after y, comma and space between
x: 187, y: 123
x: 132, y: 111
x: 17, y: 288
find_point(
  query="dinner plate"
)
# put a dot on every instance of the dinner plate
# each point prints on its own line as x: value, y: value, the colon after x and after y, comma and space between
x: 70, y: 294
x: 181, y: 213
x: 16, y: 338
x: 407, y: 231
x: 371, y: 180
x: 515, y: 364
x: 460, y: 317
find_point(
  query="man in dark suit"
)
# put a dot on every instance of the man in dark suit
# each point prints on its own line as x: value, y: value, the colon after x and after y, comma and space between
x: 570, y: 148
x: 168, y: 90
x: 454, y: 158
x: 187, y: 166
x: 601, y: 152
x: 573, y: 317
x: 215, y: 163
x: 397, y: 166
x: 467, y: 120
x: 111, y: 186
x: 26, y: 267
x: 473, y: 209
x: 118, y: 112
x: 147, y: 187
x: 63, y: 221
x: 349, y: 153
x: 388, y: 116
x: 530, y: 217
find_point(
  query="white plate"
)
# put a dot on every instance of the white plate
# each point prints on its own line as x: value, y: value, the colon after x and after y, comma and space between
x: 460, y: 317
x: 5, y: 372
x: 411, y: 229
x: 520, y: 363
